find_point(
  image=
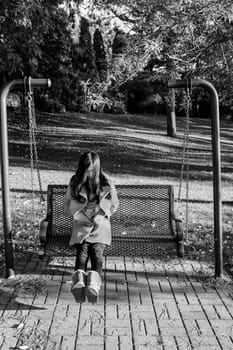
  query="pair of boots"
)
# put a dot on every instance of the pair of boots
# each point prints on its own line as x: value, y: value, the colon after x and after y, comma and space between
x: 86, y: 285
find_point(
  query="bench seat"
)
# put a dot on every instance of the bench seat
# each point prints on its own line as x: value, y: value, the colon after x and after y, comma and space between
x: 143, y: 225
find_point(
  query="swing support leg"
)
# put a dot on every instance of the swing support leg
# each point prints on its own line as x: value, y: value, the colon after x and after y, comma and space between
x: 7, y: 225
x: 215, y: 131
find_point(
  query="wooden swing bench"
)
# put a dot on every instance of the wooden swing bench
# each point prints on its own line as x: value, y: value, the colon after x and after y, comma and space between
x: 143, y: 225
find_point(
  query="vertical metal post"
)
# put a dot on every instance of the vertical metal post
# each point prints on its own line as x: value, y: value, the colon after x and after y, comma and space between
x: 216, y: 155
x: 7, y: 225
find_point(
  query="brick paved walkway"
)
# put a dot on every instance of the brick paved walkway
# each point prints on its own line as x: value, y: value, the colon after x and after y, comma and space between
x: 144, y: 304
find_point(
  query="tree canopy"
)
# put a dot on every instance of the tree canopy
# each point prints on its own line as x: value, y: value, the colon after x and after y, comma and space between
x: 117, y: 40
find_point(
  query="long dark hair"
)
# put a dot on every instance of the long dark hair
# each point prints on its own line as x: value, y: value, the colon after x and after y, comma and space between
x: 80, y: 178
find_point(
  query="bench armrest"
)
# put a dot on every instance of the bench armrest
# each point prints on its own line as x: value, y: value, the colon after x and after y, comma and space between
x: 43, y: 236
x: 179, y: 229
x: 44, y: 224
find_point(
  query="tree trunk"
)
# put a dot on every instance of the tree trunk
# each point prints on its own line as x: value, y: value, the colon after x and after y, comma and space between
x: 171, y: 114
x: 171, y: 104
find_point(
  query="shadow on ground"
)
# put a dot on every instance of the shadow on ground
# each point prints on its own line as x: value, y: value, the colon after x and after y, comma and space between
x: 127, y: 144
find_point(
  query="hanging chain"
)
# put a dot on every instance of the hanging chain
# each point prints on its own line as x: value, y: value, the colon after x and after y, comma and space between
x: 32, y: 117
x: 185, y: 157
x: 29, y: 106
x: 188, y: 108
x: 33, y: 145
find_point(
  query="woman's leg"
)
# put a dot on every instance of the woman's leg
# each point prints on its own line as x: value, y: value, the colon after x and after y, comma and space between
x: 96, y: 253
x: 94, y: 281
x: 79, y: 277
x: 81, y: 256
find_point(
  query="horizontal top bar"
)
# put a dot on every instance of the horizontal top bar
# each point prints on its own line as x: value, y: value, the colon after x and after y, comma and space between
x: 46, y: 83
x: 192, y: 83
x: 20, y: 84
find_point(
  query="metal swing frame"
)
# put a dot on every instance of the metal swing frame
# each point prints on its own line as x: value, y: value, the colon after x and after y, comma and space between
x: 46, y: 83
x: 216, y: 156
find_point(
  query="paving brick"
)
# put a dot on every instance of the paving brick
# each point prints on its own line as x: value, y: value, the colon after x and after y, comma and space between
x: 123, y: 311
x: 190, y: 312
x: 112, y: 311
x: 205, y: 342
x: 116, y: 291
x: 89, y: 311
x: 60, y: 311
x: 171, y: 327
x: 226, y: 342
x: 210, y: 299
x: 148, y: 342
x: 169, y: 343
x: 125, y: 343
x: 84, y: 328
x: 153, y: 290
x: 197, y: 343
x: 181, y: 299
x: 183, y: 342
x: 226, y: 297
x: 165, y: 287
x: 198, y: 287
x: 134, y: 296
x: 145, y: 297
x: 142, y: 311
x: 88, y: 342
x: 41, y: 314
x: 154, y: 286
x: 139, y: 326
x: 98, y: 328
x: 118, y: 327
x: 210, y: 312
x: 230, y: 309
x: 68, y: 343
x: 222, y: 312
x: 198, y: 328
x: 151, y: 327
x: 163, y: 295
x: 222, y: 327
x: 112, y: 342
x: 168, y: 301
x: 192, y: 298
x: 65, y: 327
x: 162, y: 312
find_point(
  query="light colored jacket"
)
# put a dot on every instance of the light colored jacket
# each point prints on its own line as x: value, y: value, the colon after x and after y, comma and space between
x: 97, y: 229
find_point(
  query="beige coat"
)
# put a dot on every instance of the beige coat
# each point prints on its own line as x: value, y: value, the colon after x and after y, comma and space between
x: 98, y: 229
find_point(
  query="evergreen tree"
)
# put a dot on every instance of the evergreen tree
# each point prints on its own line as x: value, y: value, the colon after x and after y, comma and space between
x: 83, y: 58
x: 100, y: 55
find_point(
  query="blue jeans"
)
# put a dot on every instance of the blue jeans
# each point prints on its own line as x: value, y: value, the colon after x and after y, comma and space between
x: 94, y: 251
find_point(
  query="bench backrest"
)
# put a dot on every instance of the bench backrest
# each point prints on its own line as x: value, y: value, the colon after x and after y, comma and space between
x: 144, y: 210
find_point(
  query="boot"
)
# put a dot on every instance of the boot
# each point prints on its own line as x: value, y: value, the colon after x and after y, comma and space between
x: 78, y: 285
x: 93, y: 286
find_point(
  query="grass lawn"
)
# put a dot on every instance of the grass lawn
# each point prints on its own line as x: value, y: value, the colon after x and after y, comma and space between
x: 133, y: 149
